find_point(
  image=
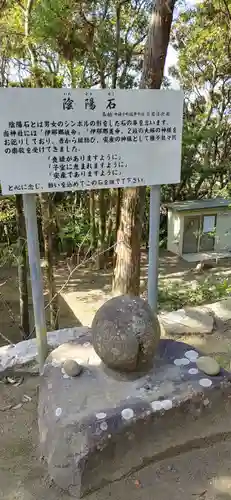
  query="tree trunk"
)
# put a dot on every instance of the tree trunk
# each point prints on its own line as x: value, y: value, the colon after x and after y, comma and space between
x: 22, y: 268
x: 92, y: 219
x: 118, y: 208
x: 127, y: 269
x: 157, y: 44
x: 118, y: 212
x: 102, y: 229
x: 48, y: 236
x: 110, y: 226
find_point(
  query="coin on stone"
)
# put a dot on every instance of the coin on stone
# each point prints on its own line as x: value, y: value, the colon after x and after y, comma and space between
x: 72, y: 368
x: 208, y: 365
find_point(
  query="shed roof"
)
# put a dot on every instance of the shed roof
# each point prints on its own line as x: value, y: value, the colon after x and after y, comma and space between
x: 199, y: 204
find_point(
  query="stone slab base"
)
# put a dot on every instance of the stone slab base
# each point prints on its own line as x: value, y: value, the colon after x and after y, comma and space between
x: 22, y: 357
x: 98, y: 427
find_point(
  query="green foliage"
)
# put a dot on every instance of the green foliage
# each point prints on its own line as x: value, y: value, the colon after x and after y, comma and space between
x: 74, y: 231
x: 176, y: 296
x: 45, y: 78
x: 202, y: 37
x: 8, y: 255
x: 100, y: 43
x: 64, y: 25
x: 12, y: 31
x: 224, y: 359
x: 7, y: 209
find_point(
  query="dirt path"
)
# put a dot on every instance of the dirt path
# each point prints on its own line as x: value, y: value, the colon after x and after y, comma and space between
x: 198, y: 475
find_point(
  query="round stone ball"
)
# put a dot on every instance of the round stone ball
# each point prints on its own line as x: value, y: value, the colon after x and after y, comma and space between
x: 126, y: 333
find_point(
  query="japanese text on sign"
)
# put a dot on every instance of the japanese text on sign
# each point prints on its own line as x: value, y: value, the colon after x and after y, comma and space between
x: 59, y: 140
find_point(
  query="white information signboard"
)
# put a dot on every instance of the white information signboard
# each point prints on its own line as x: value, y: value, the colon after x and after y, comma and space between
x: 65, y: 140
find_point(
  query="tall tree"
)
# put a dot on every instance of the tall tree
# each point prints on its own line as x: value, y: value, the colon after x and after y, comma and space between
x: 48, y: 226
x: 22, y: 268
x: 202, y: 37
x: 47, y: 206
x: 22, y: 263
x: 101, y: 44
x: 127, y: 270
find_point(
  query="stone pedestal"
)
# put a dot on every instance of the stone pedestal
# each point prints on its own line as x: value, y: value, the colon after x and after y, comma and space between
x: 100, y: 425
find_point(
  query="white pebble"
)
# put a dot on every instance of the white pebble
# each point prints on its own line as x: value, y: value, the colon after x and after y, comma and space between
x: 192, y: 355
x: 205, y: 382
x: 166, y: 404
x: 58, y: 412
x: 127, y: 413
x: 193, y: 371
x: 156, y: 405
x: 103, y: 426
x: 100, y: 416
x: 181, y: 362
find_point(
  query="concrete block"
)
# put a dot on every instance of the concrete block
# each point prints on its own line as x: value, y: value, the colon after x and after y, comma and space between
x: 221, y: 310
x: 22, y: 357
x: 188, y: 321
x: 99, y: 426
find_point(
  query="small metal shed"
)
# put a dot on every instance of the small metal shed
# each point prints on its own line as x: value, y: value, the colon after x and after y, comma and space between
x: 199, y: 227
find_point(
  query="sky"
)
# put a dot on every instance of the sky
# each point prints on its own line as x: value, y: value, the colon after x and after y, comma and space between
x: 171, y: 60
